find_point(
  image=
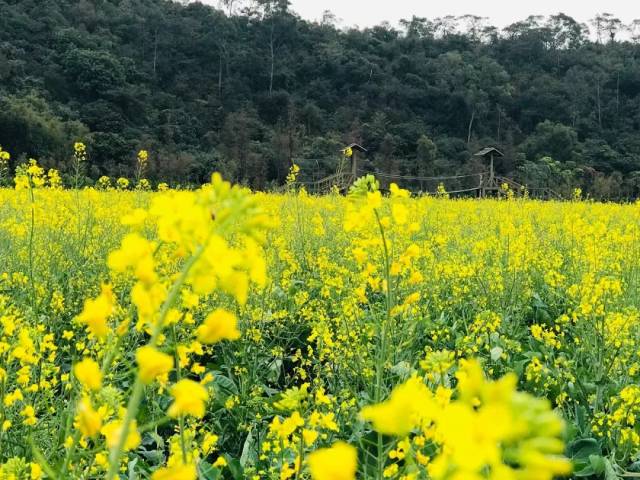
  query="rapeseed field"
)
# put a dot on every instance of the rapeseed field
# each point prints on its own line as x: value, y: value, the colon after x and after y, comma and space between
x: 221, y: 333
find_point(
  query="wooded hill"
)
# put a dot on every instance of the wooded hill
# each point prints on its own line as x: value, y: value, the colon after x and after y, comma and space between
x: 250, y: 92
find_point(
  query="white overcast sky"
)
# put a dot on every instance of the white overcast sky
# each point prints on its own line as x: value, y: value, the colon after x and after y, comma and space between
x: 501, y: 13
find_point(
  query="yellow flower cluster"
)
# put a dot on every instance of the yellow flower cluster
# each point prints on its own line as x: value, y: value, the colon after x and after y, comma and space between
x: 4, y: 166
x: 118, y: 306
x: 294, y: 171
x: 489, y: 429
x: 619, y: 425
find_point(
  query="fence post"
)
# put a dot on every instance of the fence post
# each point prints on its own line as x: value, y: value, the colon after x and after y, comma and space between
x: 354, y: 164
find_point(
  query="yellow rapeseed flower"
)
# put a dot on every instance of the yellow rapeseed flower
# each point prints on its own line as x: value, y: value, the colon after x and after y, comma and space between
x: 113, y: 430
x: 152, y: 363
x: 176, y: 472
x: 36, y: 471
x: 406, y: 408
x: 88, y: 420
x: 219, y: 325
x: 97, y: 311
x: 189, y: 399
x: 338, y: 462
x: 29, y: 414
x: 88, y: 374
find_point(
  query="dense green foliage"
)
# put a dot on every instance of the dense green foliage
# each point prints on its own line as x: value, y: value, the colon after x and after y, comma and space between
x: 249, y: 93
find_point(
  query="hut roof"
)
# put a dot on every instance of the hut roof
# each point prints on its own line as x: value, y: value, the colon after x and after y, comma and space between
x: 487, y: 151
x: 355, y: 146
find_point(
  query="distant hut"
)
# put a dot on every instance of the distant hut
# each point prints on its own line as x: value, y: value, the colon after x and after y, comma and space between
x: 352, y: 151
x: 488, y: 154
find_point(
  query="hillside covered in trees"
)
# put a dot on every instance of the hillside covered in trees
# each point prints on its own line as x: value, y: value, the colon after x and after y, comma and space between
x: 248, y: 89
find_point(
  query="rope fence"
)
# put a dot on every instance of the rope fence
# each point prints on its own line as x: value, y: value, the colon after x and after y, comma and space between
x: 480, y: 183
x: 417, y: 178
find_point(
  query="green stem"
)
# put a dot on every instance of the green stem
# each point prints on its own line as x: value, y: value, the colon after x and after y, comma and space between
x: 31, y: 236
x: 382, y: 332
x: 156, y: 423
x: 301, y: 456
x: 70, y: 452
x: 382, y: 354
x: 138, y: 387
x: 106, y: 365
x: 183, y: 444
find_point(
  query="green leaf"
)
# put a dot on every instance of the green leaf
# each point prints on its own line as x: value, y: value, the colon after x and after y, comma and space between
x: 609, y: 472
x: 248, y: 454
x: 586, y: 456
x: 496, y: 353
x: 273, y: 370
x: 237, y: 472
x: 537, y: 301
x: 132, y: 469
x: 206, y: 471
x: 597, y: 463
x: 583, y: 448
x: 581, y: 416
x: 223, y: 384
x: 153, y: 436
x: 402, y: 370
x: 582, y: 469
x: 270, y: 392
x: 634, y: 467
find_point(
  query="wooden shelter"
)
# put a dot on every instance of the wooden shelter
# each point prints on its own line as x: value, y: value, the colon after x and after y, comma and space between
x: 483, y: 183
x: 489, y: 153
x: 352, y: 151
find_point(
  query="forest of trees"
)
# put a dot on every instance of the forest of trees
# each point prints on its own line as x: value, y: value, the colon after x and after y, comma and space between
x: 250, y: 87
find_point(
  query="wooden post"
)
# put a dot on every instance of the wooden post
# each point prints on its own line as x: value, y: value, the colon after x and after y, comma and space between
x: 488, y: 182
x: 354, y: 164
x: 491, y: 171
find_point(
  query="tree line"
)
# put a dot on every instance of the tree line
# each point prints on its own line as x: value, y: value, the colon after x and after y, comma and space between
x: 249, y: 87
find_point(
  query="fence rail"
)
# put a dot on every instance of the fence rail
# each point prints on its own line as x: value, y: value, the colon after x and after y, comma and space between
x: 481, y: 184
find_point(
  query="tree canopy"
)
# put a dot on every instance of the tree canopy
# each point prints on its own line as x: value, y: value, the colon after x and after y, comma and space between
x: 250, y: 88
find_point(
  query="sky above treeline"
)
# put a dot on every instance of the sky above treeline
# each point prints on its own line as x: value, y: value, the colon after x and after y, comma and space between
x: 366, y: 13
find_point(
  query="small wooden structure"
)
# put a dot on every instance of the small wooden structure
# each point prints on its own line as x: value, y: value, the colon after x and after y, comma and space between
x: 490, y: 183
x: 352, y: 151
x: 344, y: 175
x: 489, y: 153
x: 481, y: 184
x: 499, y: 185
